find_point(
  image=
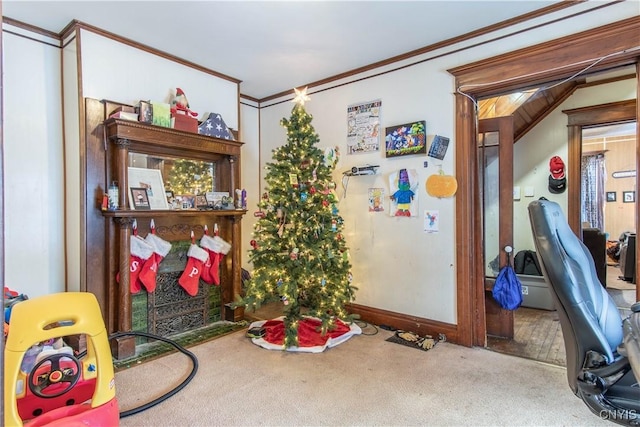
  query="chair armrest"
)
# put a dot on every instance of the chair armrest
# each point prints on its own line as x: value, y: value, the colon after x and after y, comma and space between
x: 631, y: 330
x: 596, y: 378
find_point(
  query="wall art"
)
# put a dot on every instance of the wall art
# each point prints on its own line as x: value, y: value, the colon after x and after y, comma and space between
x: 406, y: 139
x: 363, y: 127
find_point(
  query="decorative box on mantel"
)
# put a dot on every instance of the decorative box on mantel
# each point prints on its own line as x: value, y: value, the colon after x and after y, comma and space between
x: 185, y: 122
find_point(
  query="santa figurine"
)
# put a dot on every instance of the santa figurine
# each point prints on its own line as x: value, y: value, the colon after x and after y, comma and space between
x: 179, y: 103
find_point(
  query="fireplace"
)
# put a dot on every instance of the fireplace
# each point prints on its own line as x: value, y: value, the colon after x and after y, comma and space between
x: 169, y: 310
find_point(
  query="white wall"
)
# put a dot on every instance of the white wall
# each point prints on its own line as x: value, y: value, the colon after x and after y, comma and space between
x: 549, y: 138
x: 396, y: 266
x: 118, y: 72
x: 33, y: 174
x: 250, y: 168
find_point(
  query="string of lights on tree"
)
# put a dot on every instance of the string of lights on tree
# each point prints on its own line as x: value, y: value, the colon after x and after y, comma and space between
x: 190, y: 177
x: 299, y: 253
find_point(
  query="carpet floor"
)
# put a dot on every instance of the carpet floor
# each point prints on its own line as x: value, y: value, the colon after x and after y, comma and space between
x: 364, y: 381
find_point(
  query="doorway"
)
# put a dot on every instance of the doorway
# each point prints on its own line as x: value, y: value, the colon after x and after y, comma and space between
x: 609, y: 151
x: 528, y: 67
x: 536, y: 330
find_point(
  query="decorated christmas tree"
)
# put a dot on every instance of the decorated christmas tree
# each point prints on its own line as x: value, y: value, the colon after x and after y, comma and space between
x: 299, y: 252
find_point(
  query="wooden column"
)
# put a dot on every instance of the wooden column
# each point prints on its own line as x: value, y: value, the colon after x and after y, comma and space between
x: 126, y: 346
x: 231, y: 293
x: 120, y: 170
x: 232, y: 172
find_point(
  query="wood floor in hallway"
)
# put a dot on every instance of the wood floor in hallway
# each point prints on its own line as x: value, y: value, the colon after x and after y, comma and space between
x: 537, y: 333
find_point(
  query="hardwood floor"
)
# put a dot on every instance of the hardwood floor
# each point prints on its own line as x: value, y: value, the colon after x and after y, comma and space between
x: 537, y: 333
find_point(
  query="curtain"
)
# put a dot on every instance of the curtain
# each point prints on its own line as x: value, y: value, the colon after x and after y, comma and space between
x: 592, y: 189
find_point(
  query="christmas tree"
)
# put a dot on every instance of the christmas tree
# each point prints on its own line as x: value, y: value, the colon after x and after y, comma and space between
x: 299, y: 252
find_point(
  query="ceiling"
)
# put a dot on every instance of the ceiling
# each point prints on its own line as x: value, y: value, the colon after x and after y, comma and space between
x: 273, y: 46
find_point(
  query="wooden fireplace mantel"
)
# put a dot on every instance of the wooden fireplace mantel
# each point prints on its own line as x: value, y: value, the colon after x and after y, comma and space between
x: 109, y: 144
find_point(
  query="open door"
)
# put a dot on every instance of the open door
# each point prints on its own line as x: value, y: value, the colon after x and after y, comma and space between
x: 495, y: 160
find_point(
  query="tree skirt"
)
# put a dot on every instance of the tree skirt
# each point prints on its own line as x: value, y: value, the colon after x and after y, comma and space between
x: 310, y: 339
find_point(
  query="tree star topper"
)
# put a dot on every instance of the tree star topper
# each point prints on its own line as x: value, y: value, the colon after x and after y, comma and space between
x: 301, y: 96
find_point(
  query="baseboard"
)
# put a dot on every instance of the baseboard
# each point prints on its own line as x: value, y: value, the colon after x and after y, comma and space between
x: 419, y: 325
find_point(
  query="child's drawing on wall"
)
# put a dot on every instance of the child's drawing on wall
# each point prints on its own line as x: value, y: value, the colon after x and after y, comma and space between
x: 404, y: 191
x: 376, y: 196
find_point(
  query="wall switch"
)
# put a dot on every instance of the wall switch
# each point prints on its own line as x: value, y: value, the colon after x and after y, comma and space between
x: 516, y: 193
x: 529, y: 191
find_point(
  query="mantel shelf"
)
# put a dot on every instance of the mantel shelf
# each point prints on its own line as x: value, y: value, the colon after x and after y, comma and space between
x: 174, y: 212
x: 147, y: 138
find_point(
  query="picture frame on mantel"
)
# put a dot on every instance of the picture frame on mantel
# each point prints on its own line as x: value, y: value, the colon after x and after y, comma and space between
x: 140, y: 198
x: 151, y: 181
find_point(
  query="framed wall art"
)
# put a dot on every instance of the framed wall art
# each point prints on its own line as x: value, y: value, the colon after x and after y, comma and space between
x: 406, y: 139
x: 611, y: 196
x: 628, y: 196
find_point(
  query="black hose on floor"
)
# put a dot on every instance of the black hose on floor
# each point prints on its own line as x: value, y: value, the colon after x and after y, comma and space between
x: 181, y: 349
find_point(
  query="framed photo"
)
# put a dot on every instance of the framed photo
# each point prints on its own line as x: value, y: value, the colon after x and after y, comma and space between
x: 628, y: 196
x: 186, y: 201
x: 140, y: 198
x: 611, y: 196
x: 406, y: 139
x: 201, y: 201
x: 151, y: 180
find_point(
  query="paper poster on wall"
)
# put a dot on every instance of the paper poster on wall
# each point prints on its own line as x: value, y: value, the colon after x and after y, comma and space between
x: 376, y: 198
x: 363, y: 127
x: 431, y: 221
x: 403, y: 186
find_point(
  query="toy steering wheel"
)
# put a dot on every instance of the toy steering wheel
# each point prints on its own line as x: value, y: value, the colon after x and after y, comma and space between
x: 55, y: 375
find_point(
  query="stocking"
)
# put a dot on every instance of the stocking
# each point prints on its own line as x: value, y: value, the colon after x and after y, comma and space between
x: 141, y: 251
x: 205, y: 243
x: 191, y: 275
x: 217, y: 248
x: 150, y: 269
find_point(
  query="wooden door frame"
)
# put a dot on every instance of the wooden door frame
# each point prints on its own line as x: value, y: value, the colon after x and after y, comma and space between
x: 528, y: 67
x: 497, y: 320
x: 577, y: 119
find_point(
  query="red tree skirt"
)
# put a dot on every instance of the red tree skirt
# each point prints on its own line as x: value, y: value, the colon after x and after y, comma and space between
x: 310, y: 338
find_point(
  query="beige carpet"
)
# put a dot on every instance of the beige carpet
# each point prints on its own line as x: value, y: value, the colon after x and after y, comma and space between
x: 363, y: 382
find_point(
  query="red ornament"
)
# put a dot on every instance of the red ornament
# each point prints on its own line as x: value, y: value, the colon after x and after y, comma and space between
x: 312, y: 190
x: 325, y: 203
x: 253, y: 244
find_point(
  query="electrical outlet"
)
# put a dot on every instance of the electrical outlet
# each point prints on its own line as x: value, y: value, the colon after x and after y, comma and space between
x: 525, y: 290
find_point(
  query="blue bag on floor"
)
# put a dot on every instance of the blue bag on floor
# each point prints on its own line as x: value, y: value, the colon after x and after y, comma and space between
x: 507, y: 290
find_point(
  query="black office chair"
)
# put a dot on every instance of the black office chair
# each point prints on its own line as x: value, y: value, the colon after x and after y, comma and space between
x: 599, y: 366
